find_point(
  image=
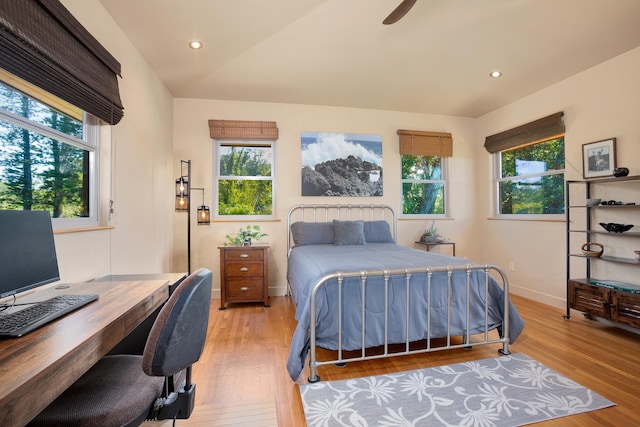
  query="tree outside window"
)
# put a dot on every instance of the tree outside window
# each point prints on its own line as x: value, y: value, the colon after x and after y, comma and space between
x: 423, y: 185
x: 531, y: 179
x: 44, y: 162
x: 244, y: 179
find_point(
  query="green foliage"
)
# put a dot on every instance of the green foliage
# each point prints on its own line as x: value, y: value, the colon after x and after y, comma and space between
x: 244, y: 190
x: 533, y: 195
x: 38, y: 172
x: 422, y: 197
x: 244, y: 236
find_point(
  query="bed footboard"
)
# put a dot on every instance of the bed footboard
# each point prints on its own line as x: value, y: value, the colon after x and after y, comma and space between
x: 469, y: 335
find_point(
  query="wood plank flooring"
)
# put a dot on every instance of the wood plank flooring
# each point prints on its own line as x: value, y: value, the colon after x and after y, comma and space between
x: 242, y: 375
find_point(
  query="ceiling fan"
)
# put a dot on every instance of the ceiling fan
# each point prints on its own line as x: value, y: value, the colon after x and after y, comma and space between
x: 399, y: 12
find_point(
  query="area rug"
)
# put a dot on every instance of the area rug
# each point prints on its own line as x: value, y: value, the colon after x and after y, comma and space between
x: 509, y: 390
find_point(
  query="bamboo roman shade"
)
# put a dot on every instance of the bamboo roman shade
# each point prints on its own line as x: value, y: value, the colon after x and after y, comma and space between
x: 421, y: 143
x: 42, y: 43
x: 538, y: 130
x: 240, y: 129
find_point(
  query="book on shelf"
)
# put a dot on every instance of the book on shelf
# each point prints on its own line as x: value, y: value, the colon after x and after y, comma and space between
x: 618, y: 285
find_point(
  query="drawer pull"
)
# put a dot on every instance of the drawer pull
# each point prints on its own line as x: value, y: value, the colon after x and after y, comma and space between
x: 244, y: 289
x: 243, y: 269
x: 244, y: 255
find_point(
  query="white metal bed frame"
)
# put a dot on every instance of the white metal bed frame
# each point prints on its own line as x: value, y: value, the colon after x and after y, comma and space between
x: 326, y: 213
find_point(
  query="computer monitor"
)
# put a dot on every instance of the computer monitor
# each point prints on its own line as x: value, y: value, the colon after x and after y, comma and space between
x: 27, y: 251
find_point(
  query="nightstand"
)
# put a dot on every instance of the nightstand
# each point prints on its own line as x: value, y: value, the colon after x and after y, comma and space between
x: 244, y: 274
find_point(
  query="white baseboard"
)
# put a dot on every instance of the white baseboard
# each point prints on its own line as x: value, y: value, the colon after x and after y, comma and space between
x: 552, y: 300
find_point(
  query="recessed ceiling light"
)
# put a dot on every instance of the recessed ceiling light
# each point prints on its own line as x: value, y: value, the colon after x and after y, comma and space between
x: 496, y: 74
x: 195, y: 44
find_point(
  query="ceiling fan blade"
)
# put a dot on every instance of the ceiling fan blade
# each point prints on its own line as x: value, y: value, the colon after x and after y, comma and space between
x: 399, y: 12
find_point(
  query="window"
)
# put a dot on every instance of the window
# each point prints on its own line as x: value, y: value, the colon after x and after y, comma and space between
x: 530, y: 179
x: 48, y: 154
x: 244, y: 178
x: 424, y: 185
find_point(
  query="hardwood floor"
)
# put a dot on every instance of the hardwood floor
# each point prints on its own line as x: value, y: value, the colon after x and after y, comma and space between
x: 242, y: 371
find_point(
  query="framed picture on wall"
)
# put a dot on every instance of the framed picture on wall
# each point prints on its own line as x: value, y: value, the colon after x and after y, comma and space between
x: 599, y: 158
x: 341, y: 164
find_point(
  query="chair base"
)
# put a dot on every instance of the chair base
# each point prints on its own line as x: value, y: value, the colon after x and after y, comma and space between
x: 178, y: 405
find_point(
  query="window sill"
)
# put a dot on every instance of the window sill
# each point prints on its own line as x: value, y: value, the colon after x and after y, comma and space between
x: 536, y: 219
x: 82, y: 229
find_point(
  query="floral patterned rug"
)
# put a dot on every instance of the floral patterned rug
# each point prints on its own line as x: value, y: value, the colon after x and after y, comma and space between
x: 509, y: 390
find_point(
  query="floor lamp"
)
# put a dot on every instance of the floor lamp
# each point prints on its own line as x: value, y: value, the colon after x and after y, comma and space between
x: 183, y: 204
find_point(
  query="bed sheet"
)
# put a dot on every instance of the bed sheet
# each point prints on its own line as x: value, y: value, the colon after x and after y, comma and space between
x: 307, y: 264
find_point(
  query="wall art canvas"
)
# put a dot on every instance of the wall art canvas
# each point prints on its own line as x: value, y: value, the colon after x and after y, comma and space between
x: 341, y: 164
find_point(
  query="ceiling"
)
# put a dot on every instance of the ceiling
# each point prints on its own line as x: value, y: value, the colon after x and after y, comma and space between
x: 436, y: 60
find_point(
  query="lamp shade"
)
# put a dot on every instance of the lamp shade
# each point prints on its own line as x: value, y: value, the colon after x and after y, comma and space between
x: 204, y: 216
x: 182, y: 194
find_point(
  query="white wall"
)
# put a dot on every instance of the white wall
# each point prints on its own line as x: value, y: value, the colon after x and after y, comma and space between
x: 600, y: 103
x: 191, y: 134
x: 140, y: 176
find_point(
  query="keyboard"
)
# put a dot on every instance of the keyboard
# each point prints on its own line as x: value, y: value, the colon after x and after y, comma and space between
x: 17, y: 324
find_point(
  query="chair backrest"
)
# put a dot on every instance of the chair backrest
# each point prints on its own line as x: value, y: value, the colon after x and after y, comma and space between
x: 179, y: 332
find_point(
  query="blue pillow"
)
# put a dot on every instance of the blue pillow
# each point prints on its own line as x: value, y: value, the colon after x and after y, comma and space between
x: 349, y: 232
x: 312, y: 233
x: 377, y: 232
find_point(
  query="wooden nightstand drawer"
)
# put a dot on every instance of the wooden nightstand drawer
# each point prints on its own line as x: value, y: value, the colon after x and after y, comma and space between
x: 245, y: 289
x: 243, y: 254
x: 243, y: 268
x: 244, y: 274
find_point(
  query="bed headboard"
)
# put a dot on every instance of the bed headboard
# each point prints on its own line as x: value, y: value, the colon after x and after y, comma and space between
x: 327, y: 213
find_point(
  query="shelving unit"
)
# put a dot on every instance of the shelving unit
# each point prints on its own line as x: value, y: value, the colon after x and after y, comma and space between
x: 603, y: 297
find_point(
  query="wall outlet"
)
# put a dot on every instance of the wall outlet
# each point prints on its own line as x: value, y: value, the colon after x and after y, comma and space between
x: 512, y: 266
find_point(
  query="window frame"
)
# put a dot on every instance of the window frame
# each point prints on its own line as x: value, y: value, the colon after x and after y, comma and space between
x: 498, y: 179
x: 444, y: 162
x: 90, y: 142
x: 217, y: 144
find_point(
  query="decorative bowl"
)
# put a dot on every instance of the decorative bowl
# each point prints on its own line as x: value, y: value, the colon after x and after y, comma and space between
x: 588, y: 251
x: 620, y: 172
x: 593, y: 202
x: 612, y: 227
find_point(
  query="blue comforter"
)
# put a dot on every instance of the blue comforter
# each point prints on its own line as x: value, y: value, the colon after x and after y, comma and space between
x: 307, y: 264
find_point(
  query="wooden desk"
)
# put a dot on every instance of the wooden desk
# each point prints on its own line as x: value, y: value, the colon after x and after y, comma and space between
x: 38, y: 367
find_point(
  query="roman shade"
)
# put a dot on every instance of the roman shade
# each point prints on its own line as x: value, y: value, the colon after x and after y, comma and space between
x: 42, y: 43
x: 536, y: 131
x: 245, y: 130
x: 421, y: 143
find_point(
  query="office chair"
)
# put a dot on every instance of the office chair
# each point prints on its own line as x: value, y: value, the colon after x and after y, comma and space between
x: 124, y: 390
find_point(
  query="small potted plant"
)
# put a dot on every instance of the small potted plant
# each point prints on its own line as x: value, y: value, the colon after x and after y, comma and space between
x: 431, y: 235
x: 245, y: 236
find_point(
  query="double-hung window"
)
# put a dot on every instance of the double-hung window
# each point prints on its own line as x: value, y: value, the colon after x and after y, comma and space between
x: 424, y: 185
x: 48, y: 154
x: 529, y: 166
x: 56, y: 82
x: 530, y: 179
x: 245, y: 180
x: 424, y: 159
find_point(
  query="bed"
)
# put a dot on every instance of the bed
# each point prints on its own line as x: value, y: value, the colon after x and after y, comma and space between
x: 355, y: 289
